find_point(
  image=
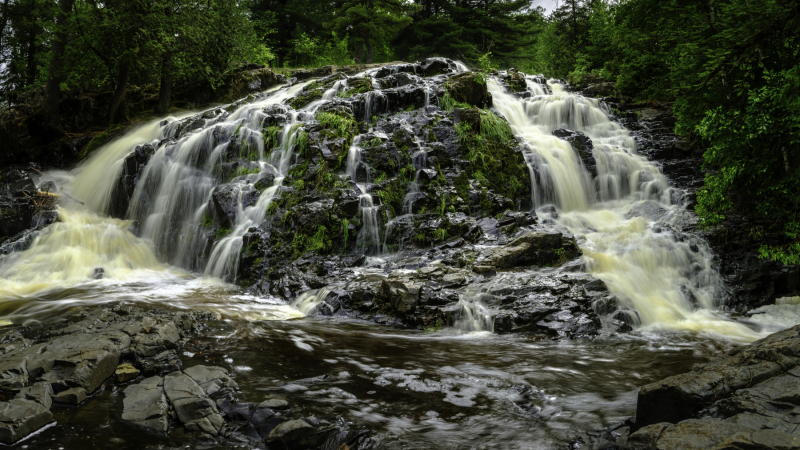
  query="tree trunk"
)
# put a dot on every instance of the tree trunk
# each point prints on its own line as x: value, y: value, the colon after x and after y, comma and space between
x: 31, y: 77
x: 359, y: 52
x: 786, y: 164
x: 369, y: 50
x: 117, y: 112
x: 52, y: 90
x: 165, y: 93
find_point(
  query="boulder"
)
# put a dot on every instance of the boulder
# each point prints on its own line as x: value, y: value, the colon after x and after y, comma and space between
x: 467, y: 88
x: 20, y: 417
x: 536, y: 247
x: 192, y: 406
x: 145, y: 406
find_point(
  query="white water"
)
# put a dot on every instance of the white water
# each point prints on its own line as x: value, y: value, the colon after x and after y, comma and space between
x: 171, y: 201
x: 368, y: 239
x: 650, y: 271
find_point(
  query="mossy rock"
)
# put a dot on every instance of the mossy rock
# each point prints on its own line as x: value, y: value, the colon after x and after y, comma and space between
x: 469, y: 88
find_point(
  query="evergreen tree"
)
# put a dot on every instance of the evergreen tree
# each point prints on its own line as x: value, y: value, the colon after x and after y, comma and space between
x: 367, y: 21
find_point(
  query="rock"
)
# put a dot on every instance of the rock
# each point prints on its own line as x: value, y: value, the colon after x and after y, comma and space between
x: 41, y: 393
x: 20, y: 417
x: 160, y: 364
x: 582, y: 145
x: 158, y: 338
x: 224, y: 202
x: 72, y: 396
x: 274, y: 403
x: 747, y: 399
x: 401, y: 295
x: 215, y: 381
x: 194, y: 409
x: 125, y: 373
x: 466, y: 88
x: 535, y: 247
x: 145, y: 406
x: 710, y: 435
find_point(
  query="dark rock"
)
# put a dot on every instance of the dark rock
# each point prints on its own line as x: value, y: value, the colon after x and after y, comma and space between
x: 145, y: 406
x: 750, y: 389
x: 20, y: 417
x: 466, y: 88
x: 193, y: 408
x: 542, y: 248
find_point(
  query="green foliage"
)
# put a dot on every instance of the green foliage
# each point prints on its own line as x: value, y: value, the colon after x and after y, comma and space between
x: 440, y: 234
x: 221, y: 233
x: 244, y: 170
x: 311, y: 51
x: 437, y: 326
x: 448, y: 103
x: 495, y: 128
x: 340, y: 123
x: 345, y: 231
x: 319, y: 241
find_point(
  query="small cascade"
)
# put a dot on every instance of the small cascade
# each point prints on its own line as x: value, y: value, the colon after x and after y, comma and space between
x: 420, y: 161
x: 309, y: 302
x: 368, y: 239
x: 80, y: 247
x: 621, y: 216
x: 474, y: 315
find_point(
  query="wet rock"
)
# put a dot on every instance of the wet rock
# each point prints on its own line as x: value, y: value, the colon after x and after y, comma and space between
x: 132, y: 168
x: 275, y: 404
x: 436, y: 66
x: 156, y: 339
x: 145, y: 406
x: 224, y: 202
x: 542, y: 248
x: 160, y: 364
x: 402, y: 296
x: 72, y: 396
x: 41, y: 393
x: 20, y: 417
x: 466, y: 88
x: 582, y: 145
x: 193, y: 408
x: 751, y: 395
x: 215, y: 381
x: 125, y: 373
x: 710, y: 434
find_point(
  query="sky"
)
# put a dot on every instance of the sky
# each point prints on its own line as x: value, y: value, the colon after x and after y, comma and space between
x: 548, y: 5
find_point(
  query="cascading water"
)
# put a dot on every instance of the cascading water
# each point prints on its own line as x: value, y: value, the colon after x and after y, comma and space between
x: 172, y: 198
x: 621, y: 216
x: 369, y: 235
x: 419, y: 159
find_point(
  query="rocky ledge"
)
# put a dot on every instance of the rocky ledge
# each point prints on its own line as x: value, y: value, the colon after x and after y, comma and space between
x: 65, y: 360
x: 747, y: 399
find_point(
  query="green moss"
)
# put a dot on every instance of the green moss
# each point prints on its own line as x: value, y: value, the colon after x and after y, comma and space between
x: 303, y: 243
x: 244, y: 170
x: 101, y: 139
x: 221, y: 233
x: 440, y: 234
x: 272, y: 208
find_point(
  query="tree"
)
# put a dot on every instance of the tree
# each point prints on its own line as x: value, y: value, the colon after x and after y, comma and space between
x: 55, y: 74
x: 366, y: 21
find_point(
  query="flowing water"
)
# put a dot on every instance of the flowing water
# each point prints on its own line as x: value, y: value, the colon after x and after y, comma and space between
x: 452, y: 389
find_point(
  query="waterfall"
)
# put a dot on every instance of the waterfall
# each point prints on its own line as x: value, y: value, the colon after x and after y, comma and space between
x: 420, y: 161
x: 368, y: 239
x: 663, y: 281
x: 309, y: 302
x: 474, y: 315
x: 172, y: 198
